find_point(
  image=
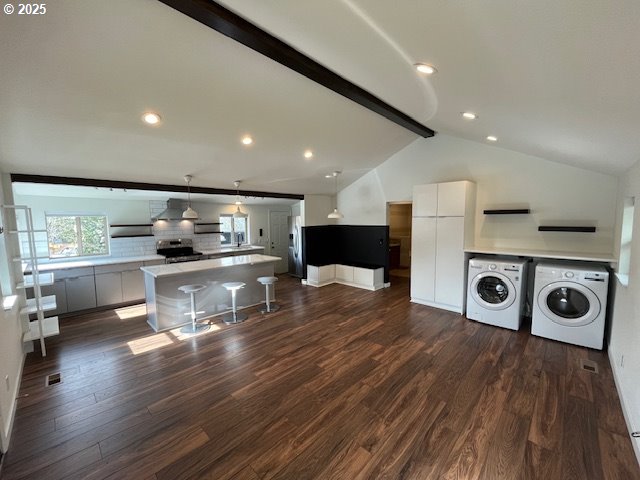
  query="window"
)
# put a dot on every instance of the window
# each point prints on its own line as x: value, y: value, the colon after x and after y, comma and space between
x: 234, y: 230
x: 77, y: 235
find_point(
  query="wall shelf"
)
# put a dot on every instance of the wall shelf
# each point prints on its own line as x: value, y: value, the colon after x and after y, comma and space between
x: 551, y: 228
x: 510, y: 211
x: 203, y: 228
x: 131, y: 230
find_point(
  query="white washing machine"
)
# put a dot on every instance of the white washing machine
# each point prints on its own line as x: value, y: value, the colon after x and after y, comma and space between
x: 570, y: 303
x: 496, y: 291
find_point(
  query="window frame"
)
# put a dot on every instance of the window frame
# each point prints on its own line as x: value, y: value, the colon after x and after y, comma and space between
x: 78, y: 220
x: 231, y: 242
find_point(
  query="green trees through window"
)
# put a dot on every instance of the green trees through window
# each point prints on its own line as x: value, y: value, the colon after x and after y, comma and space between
x: 77, y: 235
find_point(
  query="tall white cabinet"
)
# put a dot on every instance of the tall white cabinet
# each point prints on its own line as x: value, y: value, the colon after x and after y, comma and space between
x: 443, y: 222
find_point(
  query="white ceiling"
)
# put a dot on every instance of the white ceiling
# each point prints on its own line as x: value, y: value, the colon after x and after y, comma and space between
x: 557, y: 79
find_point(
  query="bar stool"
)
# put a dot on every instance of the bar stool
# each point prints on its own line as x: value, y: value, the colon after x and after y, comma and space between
x: 194, y: 327
x: 234, y: 316
x: 267, y: 282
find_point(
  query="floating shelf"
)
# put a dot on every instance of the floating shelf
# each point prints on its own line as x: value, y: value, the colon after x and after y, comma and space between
x: 27, y: 231
x: 548, y: 228
x: 206, y: 228
x: 131, y: 230
x: 133, y: 235
x: 46, y: 303
x: 50, y: 328
x: 44, y: 279
x: 511, y: 211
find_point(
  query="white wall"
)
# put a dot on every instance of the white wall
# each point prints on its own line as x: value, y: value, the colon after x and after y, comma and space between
x: 139, y: 211
x: 556, y: 194
x: 11, y: 353
x: 315, y: 209
x: 625, y: 322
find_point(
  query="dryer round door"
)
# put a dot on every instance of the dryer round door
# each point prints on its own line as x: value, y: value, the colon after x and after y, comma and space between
x: 569, y: 304
x: 493, y: 290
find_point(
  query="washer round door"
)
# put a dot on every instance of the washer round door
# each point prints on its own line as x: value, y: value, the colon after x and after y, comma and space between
x: 493, y: 290
x: 569, y: 304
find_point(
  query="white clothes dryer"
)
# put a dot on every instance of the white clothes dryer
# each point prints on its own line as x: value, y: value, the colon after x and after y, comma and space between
x: 570, y: 303
x: 496, y: 291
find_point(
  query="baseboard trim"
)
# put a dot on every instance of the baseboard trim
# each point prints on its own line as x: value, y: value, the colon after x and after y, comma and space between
x: 441, y: 306
x: 635, y: 442
x: 6, y: 436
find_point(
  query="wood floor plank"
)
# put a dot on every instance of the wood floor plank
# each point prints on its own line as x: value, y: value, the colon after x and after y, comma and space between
x: 581, y: 458
x: 340, y: 383
x: 546, y: 424
x: 616, y: 455
x: 507, y: 448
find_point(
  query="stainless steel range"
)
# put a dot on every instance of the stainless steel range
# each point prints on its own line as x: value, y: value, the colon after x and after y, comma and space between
x: 178, y: 250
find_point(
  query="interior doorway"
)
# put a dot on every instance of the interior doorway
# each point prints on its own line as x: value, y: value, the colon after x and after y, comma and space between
x: 399, y: 220
x: 279, y: 236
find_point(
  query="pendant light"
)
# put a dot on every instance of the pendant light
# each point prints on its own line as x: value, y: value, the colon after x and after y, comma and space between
x: 189, y: 213
x: 238, y: 213
x: 336, y: 213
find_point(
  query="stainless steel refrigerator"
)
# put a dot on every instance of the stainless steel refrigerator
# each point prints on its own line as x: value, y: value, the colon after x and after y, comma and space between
x: 295, y: 246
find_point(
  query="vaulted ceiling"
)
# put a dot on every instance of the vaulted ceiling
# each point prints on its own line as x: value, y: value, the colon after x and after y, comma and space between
x: 554, y: 79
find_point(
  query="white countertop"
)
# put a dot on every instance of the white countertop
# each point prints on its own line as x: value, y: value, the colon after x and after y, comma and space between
x: 584, y: 256
x: 93, y: 262
x: 244, y: 248
x: 213, y: 263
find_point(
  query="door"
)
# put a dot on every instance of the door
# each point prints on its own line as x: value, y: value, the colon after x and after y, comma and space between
x: 423, y: 258
x: 569, y: 304
x: 279, y: 235
x: 451, y: 199
x: 425, y: 200
x: 449, y: 283
x: 493, y: 290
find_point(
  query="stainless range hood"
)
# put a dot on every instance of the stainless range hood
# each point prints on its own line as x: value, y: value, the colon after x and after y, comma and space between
x: 172, y: 212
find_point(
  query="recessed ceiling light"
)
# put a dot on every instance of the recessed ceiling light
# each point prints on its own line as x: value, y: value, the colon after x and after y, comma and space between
x: 151, y: 118
x: 247, y: 140
x: 469, y: 115
x: 329, y: 175
x: 308, y: 154
x: 491, y: 138
x: 425, y: 68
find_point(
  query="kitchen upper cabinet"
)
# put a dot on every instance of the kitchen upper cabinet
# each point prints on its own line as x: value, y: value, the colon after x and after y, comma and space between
x: 425, y: 200
x: 108, y: 288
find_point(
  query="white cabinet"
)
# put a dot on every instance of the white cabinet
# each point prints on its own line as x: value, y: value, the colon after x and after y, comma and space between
x: 423, y: 258
x: 452, y: 199
x: 450, y: 266
x: 425, y: 200
x: 81, y: 292
x: 442, y: 223
x: 108, y: 288
x: 344, y: 273
x: 132, y: 285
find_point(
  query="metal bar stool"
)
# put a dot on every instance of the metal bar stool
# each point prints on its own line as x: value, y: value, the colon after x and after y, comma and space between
x: 234, y: 316
x: 267, y: 282
x: 194, y: 327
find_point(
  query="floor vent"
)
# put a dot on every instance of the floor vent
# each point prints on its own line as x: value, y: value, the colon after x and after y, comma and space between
x: 53, y: 379
x: 589, y: 365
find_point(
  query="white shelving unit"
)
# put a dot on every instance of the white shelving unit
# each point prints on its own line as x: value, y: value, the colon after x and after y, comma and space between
x: 42, y: 327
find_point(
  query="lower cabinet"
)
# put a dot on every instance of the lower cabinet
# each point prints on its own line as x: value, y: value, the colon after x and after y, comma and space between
x: 59, y: 289
x: 108, y: 288
x: 81, y: 293
x: 132, y: 285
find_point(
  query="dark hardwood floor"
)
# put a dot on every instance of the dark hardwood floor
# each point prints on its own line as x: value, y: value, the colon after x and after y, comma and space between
x: 341, y: 383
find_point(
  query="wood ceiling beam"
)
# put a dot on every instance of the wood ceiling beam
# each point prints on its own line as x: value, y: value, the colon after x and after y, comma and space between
x: 224, y: 21
x: 92, y: 182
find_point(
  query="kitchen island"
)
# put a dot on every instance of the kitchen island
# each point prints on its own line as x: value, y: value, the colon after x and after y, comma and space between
x: 168, y: 308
